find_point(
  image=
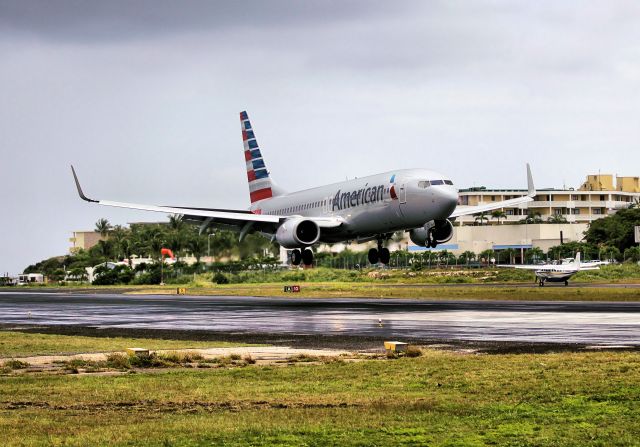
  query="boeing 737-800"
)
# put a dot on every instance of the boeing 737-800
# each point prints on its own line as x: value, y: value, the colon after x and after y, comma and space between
x: 420, y: 201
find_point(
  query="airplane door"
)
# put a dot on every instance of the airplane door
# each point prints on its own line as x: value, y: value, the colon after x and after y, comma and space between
x: 402, y: 194
x: 328, y: 205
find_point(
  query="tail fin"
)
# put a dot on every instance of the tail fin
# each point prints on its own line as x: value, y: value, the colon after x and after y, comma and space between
x: 261, y: 186
x: 577, y: 261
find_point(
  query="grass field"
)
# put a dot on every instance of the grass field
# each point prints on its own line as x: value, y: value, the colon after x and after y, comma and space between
x: 382, y: 290
x: 441, y: 398
x: 18, y: 344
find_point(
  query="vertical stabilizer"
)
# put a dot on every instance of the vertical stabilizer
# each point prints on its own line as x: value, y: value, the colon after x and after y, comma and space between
x: 577, y: 261
x: 261, y: 186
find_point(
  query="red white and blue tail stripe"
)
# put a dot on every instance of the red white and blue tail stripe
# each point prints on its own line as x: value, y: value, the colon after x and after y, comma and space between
x: 260, y: 186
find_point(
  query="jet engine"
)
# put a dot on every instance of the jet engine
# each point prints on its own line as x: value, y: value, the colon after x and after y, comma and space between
x: 433, y: 233
x: 297, y: 232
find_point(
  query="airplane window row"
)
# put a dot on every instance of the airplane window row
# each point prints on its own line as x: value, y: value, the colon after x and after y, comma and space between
x: 305, y: 206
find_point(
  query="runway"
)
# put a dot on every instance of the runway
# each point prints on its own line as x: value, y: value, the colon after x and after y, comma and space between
x: 600, y: 323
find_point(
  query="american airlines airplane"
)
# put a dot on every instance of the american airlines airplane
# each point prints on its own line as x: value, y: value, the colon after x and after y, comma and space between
x: 420, y: 201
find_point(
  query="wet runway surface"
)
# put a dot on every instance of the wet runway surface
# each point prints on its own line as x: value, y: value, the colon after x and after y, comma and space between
x: 598, y: 323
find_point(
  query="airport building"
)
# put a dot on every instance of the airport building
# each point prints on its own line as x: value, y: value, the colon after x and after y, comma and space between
x: 596, y: 198
x: 84, y: 240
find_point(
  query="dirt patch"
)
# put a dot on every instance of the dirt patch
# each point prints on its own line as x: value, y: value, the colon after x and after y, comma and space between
x: 172, y: 407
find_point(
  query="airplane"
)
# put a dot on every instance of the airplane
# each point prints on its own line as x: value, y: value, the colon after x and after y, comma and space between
x: 420, y: 201
x: 556, y: 272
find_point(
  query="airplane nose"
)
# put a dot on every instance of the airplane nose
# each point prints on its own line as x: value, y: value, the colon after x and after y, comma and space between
x: 447, y: 199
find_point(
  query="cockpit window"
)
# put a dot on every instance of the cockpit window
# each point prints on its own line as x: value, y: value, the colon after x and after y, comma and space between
x: 427, y: 183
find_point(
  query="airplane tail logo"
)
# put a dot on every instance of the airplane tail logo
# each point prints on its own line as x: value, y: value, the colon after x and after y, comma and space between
x: 260, y: 185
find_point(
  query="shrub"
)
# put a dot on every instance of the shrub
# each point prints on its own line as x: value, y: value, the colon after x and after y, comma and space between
x: 248, y: 360
x: 16, y: 364
x: 303, y: 358
x: 413, y: 351
x: 181, y: 357
x: 118, y: 361
x: 220, y: 278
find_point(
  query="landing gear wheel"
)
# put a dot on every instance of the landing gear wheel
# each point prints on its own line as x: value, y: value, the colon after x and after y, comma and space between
x: 566, y: 282
x: 373, y: 256
x: 541, y: 283
x: 296, y: 257
x: 307, y: 257
x: 385, y: 256
x: 431, y: 242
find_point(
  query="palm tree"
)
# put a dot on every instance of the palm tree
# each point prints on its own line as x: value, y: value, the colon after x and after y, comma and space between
x: 498, y: 214
x: 103, y: 227
x: 534, y: 254
x: 480, y: 217
x: 510, y: 253
x: 176, y: 222
x: 487, y: 255
x: 467, y: 256
x: 557, y: 218
x: 532, y: 217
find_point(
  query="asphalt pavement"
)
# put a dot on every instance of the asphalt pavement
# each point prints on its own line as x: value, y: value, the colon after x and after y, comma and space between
x: 569, y: 322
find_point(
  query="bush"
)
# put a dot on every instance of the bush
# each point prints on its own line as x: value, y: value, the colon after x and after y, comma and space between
x: 16, y: 364
x: 120, y: 274
x: 220, y: 278
x: 181, y: 357
x: 413, y: 351
x: 118, y: 361
x: 303, y: 358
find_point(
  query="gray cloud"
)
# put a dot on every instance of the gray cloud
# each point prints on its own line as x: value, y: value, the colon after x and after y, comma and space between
x: 121, y: 20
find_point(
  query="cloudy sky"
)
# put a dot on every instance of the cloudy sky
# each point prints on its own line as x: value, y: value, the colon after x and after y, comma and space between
x: 143, y: 97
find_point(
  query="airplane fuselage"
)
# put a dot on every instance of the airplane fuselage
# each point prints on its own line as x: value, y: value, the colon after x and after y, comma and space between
x: 372, y: 205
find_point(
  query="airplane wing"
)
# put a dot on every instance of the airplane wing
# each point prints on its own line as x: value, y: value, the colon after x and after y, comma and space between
x: 520, y: 266
x: 226, y: 218
x: 467, y: 210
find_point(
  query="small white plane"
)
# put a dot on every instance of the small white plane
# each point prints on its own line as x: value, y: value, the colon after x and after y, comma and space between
x: 556, y: 272
x: 420, y: 201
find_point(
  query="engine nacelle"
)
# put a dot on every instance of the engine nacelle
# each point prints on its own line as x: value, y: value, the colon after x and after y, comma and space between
x: 439, y: 231
x: 298, y: 232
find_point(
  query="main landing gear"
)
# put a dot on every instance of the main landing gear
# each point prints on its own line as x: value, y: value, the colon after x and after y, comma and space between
x: 305, y: 256
x: 380, y: 254
x: 541, y: 282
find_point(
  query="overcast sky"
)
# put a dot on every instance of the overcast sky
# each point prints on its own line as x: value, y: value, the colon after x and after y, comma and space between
x: 143, y: 97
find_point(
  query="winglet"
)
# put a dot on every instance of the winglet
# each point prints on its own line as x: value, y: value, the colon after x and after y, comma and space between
x: 80, y: 193
x: 530, y: 186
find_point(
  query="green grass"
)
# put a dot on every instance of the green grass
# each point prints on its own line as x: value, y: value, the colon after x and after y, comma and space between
x: 436, y: 292
x: 19, y: 344
x: 440, y: 398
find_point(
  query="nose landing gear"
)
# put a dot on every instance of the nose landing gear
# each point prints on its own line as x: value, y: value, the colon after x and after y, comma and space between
x: 380, y: 254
